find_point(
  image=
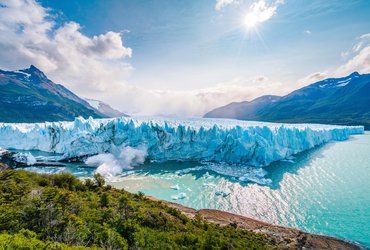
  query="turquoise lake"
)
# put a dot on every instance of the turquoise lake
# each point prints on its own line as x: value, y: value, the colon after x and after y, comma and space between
x: 325, y: 190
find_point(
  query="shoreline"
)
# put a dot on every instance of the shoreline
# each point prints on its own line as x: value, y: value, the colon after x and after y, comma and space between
x: 286, y: 238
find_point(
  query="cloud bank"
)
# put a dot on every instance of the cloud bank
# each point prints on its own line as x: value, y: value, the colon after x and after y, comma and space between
x: 29, y: 35
x: 359, y: 57
x: 355, y: 59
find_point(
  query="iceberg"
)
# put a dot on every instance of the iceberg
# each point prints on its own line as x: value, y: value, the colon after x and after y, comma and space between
x: 247, y: 143
x: 25, y: 158
x: 175, y: 187
x: 222, y: 193
x: 180, y: 196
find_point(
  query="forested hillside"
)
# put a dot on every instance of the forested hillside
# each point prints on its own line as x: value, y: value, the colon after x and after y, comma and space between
x: 61, y: 212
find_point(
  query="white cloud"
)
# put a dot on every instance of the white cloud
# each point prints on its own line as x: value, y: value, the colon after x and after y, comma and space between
x: 360, y: 42
x: 28, y: 35
x: 220, y: 4
x: 359, y: 63
x: 365, y: 36
x: 312, y: 78
x: 308, y: 32
x: 193, y: 102
x: 360, y: 57
x: 356, y: 59
x: 260, y: 11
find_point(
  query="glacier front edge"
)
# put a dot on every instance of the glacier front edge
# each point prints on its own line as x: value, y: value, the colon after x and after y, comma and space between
x: 194, y: 139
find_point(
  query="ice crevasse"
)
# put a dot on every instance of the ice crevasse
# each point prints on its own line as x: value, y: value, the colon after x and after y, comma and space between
x: 194, y: 139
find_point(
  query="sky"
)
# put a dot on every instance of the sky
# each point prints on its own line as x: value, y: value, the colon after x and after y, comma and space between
x: 184, y: 58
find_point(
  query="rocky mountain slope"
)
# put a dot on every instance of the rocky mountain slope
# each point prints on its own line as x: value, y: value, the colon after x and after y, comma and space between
x: 29, y: 96
x: 342, y: 101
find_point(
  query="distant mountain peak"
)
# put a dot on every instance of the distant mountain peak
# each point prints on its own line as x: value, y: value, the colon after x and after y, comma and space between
x: 27, y: 95
x: 34, y: 68
x: 35, y: 72
x: 355, y: 74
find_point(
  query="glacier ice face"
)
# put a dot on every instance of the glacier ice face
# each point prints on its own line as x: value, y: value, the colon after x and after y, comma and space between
x: 194, y: 139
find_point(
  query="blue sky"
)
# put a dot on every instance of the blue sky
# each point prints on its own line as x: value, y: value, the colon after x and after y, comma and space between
x: 172, y: 38
x: 202, y: 47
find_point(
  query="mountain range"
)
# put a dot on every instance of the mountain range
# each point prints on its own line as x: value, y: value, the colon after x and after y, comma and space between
x: 27, y: 95
x: 342, y: 101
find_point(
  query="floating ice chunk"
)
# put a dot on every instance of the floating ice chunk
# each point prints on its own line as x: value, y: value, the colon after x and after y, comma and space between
x: 25, y: 158
x: 47, y: 158
x: 290, y: 159
x: 258, y: 180
x: 207, y: 175
x: 188, y: 170
x: 222, y: 193
x: 209, y: 184
x: 256, y: 175
x: 175, y: 187
x: 180, y: 196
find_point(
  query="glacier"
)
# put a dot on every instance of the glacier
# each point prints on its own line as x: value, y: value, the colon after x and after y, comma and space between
x: 249, y: 143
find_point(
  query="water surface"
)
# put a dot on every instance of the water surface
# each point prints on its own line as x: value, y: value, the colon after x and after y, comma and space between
x: 325, y: 190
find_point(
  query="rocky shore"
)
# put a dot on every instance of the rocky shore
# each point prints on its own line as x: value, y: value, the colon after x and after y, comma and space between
x: 286, y: 238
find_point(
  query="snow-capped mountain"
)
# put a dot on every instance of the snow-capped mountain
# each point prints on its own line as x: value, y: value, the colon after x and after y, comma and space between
x: 343, y: 100
x: 27, y: 95
x: 104, y: 108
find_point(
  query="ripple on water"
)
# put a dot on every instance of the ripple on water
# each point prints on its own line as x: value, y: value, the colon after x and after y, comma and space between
x: 324, y: 190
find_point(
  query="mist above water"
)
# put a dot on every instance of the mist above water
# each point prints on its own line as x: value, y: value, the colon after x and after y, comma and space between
x: 112, y: 164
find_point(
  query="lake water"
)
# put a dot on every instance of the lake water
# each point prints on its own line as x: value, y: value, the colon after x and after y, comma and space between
x: 325, y: 190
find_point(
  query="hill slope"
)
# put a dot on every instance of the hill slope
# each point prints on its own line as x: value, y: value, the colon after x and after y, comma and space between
x: 62, y: 209
x: 343, y: 101
x: 250, y: 109
x: 105, y: 108
x: 29, y: 96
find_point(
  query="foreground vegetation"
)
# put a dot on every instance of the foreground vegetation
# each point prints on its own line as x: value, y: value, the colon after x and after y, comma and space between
x: 62, y: 212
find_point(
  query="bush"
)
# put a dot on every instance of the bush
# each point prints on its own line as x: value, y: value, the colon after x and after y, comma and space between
x: 61, y: 212
x: 26, y: 240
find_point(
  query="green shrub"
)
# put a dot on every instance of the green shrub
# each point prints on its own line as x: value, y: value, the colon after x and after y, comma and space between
x: 61, y: 212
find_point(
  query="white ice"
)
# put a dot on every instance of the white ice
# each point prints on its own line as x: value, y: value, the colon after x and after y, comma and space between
x: 195, y: 139
x: 25, y: 158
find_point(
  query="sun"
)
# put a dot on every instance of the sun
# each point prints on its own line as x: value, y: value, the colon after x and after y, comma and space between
x: 250, y: 20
